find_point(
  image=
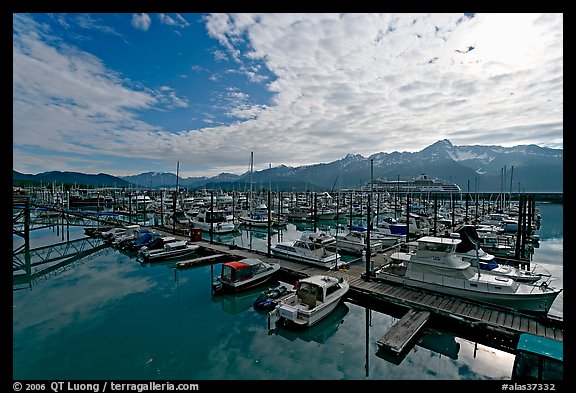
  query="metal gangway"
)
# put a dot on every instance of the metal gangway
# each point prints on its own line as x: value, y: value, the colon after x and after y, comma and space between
x: 29, y: 265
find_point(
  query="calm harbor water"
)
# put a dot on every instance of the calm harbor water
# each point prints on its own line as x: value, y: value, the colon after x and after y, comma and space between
x: 108, y: 317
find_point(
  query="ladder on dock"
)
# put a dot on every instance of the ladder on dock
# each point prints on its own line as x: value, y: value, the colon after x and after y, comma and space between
x: 404, y: 330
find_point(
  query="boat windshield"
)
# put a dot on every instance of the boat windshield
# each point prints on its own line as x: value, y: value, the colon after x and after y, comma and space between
x: 308, y: 290
x: 436, y: 247
x: 217, y: 216
x: 231, y: 274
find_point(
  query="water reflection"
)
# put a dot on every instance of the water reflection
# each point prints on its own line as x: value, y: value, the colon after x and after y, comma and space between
x: 235, y: 303
x: 439, y: 342
x: 319, y: 332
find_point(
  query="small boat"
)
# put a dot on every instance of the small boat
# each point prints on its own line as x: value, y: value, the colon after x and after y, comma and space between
x: 315, y: 298
x: 122, y: 240
x: 170, y: 250
x: 311, y: 249
x: 213, y: 221
x: 116, y: 232
x: 96, y: 231
x: 435, y: 266
x: 144, y: 240
x: 354, y: 242
x: 240, y: 275
x: 269, y: 298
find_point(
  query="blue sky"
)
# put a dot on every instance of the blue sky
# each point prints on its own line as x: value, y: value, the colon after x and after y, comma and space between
x: 123, y: 94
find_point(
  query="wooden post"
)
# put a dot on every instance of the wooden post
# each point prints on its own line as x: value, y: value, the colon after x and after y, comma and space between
x: 211, y: 216
x: 315, y: 216
x: 368, y: 248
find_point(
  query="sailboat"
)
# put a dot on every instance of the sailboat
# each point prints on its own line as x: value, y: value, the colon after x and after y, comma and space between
x: 258, y: 216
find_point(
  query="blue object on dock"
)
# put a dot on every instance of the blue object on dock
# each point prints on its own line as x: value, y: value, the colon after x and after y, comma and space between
x: 541, y: 346
x: 538, y: 359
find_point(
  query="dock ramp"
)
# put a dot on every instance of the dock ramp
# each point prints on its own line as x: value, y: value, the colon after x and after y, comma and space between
x: 403, y: 331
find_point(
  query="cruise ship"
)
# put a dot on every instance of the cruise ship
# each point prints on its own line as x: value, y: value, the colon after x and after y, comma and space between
x: 420, y: 184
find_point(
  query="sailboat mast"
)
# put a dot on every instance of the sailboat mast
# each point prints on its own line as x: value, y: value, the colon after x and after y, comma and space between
x: 251, y: 169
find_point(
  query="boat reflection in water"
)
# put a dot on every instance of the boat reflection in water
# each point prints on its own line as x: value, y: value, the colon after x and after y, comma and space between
x: 440, y: 342
x: 319, y: 332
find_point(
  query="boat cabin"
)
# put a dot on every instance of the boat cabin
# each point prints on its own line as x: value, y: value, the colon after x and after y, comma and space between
x: 242, y: 270
x: 317, y: 289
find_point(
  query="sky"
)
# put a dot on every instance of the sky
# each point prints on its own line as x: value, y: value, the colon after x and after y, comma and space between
x: 123, y: 94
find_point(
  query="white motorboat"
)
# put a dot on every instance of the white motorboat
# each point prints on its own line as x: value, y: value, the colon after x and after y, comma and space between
x: 170, y: 250
x: 215, y: 221
x: 471, y: 251
x: 309, y: 249
x: 435, y: 266
x: 354, y: 242
x: 259, y: 218
x: 315, y: 298
x: 240, y: 275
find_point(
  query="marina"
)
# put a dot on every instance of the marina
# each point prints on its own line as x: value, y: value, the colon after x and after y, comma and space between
x: 501, y: 326
x: 251, y: 198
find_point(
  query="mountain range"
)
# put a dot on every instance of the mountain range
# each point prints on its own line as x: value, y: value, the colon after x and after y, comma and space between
x: 525, y: 168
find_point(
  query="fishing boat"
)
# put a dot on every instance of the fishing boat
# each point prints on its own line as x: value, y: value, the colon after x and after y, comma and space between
x: 259, y: 218
x: 309, y: 249
x: 470, y: 249
x: 237, y: 276
x: 354, y: 242
x: 170, y: 250
x: 435, y: 266
x: 213, y: 221
x: 315, y: 297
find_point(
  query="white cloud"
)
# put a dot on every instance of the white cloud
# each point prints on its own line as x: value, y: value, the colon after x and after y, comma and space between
x: 66, y: 100
x: 341, y: 83
x: 363, y: 81
x: 141, y: 21
x: 177, y: 21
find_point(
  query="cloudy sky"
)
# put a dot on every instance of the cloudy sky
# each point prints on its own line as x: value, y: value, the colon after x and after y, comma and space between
x: 123, y: 93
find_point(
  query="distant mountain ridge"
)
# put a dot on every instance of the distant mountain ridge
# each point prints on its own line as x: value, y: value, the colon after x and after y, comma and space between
x: 525, y: 168
x: 99, y: 180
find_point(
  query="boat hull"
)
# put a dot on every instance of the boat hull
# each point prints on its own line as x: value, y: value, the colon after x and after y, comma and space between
x: 328, y: 262
x: 240, y: 286
x: 164, y: 255
x: 306, y: 318
x: 313, y: 318
x: 219, y: 228
x: 538, y: 302
x: 315, y: 298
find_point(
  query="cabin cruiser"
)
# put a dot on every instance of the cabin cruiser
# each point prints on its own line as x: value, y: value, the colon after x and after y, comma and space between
x: 213, y: 221
x: 436, y: 266
x: 311, y: 249
x: 240, y: 275
x: 354, y: 242
x: 314, y: 299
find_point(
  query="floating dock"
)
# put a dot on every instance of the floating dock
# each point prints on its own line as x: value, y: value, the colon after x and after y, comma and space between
x: 403, y: 331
